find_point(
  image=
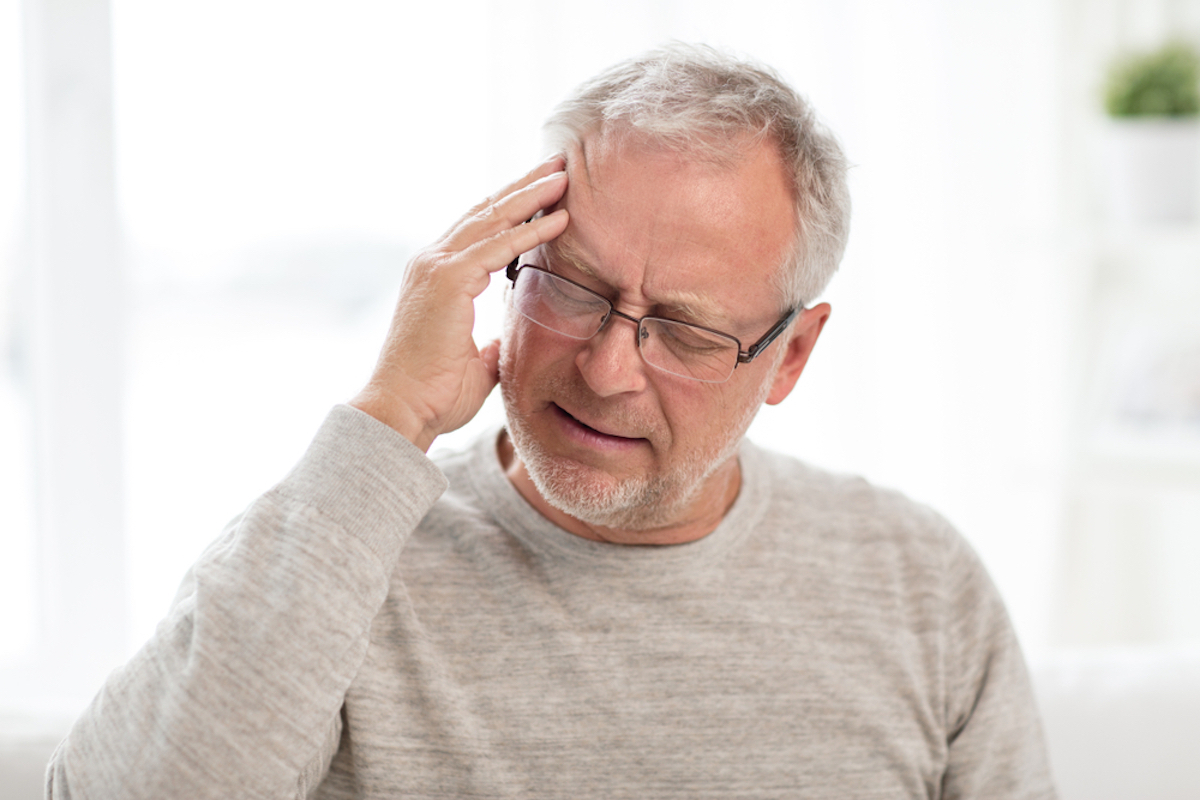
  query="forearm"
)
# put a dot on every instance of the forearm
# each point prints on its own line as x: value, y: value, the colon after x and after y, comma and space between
x: 240, y: 688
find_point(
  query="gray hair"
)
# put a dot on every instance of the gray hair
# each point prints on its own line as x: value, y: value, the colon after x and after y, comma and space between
x: 694, y: 98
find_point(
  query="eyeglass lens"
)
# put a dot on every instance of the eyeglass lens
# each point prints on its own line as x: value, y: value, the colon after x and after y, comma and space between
x: 579, y: 313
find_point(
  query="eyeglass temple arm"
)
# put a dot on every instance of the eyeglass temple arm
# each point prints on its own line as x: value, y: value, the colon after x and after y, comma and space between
x: 771, y: 335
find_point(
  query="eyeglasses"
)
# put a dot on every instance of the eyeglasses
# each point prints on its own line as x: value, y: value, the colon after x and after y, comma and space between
x: 679, y: 348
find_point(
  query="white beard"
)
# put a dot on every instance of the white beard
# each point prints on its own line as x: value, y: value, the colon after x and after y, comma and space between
x: 636, y: 503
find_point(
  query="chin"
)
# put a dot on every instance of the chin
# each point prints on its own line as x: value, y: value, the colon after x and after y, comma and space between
x: 598, y: 498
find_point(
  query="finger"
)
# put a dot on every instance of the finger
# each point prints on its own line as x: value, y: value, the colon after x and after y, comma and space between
x: 499, y: 250
x: 507, y: 212
x: 554, y: 163
x: 474, y: 265
x: 468, y: 270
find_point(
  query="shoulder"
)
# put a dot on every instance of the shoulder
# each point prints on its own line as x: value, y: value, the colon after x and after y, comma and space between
x: 863, y: 542
x: 845, y: 507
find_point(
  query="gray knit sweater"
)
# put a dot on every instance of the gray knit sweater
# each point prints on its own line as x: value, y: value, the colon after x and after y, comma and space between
x: 363, y: 631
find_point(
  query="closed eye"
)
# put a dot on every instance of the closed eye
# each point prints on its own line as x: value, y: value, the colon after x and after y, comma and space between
x: 568, y: 297
x: 681, y: 337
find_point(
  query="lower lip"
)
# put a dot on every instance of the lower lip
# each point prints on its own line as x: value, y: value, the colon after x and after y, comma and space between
x: 592, y: 438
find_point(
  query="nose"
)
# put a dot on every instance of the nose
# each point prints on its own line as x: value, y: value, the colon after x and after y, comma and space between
x: 610, y: 361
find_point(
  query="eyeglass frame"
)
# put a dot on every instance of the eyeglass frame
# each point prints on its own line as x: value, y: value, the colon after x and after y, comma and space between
x: 743, y: 356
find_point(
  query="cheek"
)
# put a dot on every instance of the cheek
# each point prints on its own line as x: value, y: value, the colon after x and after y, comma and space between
x: 717, y: 413
x: 529, y: 350
x: 690, y: 408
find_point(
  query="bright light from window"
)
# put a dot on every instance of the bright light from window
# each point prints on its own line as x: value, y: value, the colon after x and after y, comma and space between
x: 16, y: 489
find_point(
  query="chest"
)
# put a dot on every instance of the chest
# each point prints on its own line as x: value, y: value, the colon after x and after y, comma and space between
x: 526, y: 685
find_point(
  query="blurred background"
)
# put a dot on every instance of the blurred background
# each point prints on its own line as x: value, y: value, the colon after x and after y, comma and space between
x: 206, y: 208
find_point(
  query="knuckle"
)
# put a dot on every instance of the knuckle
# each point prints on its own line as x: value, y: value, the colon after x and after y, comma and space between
x: 420, y: 260
x: 517, y: 241
x: 426, y: 263
x: 489, y: 213
x: 490, y: 200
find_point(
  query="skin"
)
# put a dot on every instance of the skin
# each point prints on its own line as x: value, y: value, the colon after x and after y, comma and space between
x: 657, y: 232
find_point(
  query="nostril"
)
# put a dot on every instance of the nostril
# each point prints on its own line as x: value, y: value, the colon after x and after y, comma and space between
x: 609, y: 366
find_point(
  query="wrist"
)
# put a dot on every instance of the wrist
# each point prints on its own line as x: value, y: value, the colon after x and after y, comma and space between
x: 396, y: 414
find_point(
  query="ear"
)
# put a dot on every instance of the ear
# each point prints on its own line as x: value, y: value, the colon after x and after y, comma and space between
x: 800, y: 344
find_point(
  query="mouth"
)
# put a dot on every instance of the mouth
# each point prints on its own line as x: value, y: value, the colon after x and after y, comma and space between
x: 594, y: 437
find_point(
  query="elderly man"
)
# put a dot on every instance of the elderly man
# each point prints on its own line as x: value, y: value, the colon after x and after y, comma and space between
x: 615, y: 596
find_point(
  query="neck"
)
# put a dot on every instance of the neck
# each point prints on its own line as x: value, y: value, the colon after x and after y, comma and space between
x: 696, y: 520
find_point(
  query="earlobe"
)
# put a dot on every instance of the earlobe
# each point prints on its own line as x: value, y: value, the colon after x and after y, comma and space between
x: 800, y: 344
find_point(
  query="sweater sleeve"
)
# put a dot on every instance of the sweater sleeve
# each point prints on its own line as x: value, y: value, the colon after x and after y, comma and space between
x: 996, y: 745
x: 239, y: 691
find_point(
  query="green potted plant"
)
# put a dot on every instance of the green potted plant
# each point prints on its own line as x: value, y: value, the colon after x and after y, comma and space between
x: 1153, y: 102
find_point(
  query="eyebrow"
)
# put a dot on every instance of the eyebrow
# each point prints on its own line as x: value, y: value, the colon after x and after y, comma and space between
x: 689, y: 305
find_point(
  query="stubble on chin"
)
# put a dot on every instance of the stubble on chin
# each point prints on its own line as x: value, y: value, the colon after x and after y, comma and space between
x: 586, y: 493
x: 633, y: 503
